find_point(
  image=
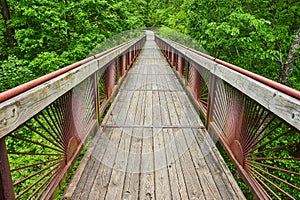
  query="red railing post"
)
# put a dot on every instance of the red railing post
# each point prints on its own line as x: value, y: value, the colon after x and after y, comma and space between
x: 123, y: 64
x: 172, y: 57
x: 95, y: 82
x: 196, y: 84
x: 110, y: 79
x: 176, y: 61
x: 211, y: 99
x: 6, y: 185
x: 130, y: 57
x: 134, y: 52
x: 187, y: 72
x: 180, y: 65
x: 169, y: 53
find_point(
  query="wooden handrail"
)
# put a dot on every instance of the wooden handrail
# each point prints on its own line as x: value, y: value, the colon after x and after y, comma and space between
x: 283, y: 88
x: 55, y: 114
x: 26, y: 86
x: 249, y: 115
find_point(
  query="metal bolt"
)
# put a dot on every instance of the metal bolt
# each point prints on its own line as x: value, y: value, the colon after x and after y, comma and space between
x: 4, y: 122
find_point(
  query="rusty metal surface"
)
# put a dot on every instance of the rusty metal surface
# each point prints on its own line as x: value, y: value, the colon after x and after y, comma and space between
x: 26, y: 86
x: 283, y: 88
x: 53, y: 138
x: 249, y: 132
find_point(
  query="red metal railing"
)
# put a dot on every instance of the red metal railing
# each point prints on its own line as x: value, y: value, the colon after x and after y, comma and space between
x: 44, y: 123
x: 256, y: 120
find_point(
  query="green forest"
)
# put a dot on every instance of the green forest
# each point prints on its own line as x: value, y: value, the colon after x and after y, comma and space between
x: 40, y: 36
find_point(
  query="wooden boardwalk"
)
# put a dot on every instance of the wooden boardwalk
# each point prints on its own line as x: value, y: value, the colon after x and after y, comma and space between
x: 152, y: 144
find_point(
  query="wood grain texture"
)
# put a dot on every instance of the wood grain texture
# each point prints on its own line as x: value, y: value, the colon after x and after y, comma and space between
x: 19, y: 109
x: 159, y: 136
x: 285, y: 106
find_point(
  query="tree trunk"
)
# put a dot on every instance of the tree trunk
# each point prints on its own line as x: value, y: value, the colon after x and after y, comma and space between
x: 287, y: 67
x: 6, y: 17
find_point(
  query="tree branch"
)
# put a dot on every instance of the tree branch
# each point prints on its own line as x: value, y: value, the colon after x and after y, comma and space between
x: 6, y: 17
x: 287, y: 67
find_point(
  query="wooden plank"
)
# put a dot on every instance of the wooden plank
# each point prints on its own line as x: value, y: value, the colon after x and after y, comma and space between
x: 189, y: 116
x: 194, y: 187
x: 72, y: 187
x: 283, y: 105
x: 98, y: 189
x: 204, y: 174
x: 115, y: 187
x: 186, y: 111
x: 21, y: 108
x: 101, y: 180
x: 220, y: 178
x: 88, y: 164
x: 90, y: 170
x: 225, y: 181
x: 114, y: 110
x: 132, y: 177
x: 86, y: 182
x: 162, y: 182
x: 184, y: 119
x: 215, y: 186
x: 190, y: 175
x: 130, y: 189
x: 177, y: 182
x: 147, y: 186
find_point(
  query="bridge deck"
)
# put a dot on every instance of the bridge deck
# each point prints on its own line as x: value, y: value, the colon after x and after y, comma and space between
x: 152, y: 144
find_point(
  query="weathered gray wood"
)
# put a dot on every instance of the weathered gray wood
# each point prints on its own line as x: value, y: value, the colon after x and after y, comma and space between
x: 204, y: 175
x: 85, y: 161
x: 228, y: 186
x: 115, y: 187
x: 160, y: 163
x: 192, y: 183
x: 147, y: 186
x: 210, y: 164
x: 99, y: 156
x: 177, y: 182
x: 19, y: 109
x: 187, y: 116
x: 286, y: 107
x: 89, y: 162
x: 132, y: 177
x: 130, y: 189
x: 103, y: 176
x: 162, y: 182
x: 101, y: 180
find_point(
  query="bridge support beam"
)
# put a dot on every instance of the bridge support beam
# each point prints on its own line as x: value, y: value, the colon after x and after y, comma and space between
x: 110, y: 77
x: 123, y: 64
x: 6, y: 186
x: 196, y: 83
x: 180, y: 65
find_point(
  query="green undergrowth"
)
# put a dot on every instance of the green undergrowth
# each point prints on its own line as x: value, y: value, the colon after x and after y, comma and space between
x: 65, y: 184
